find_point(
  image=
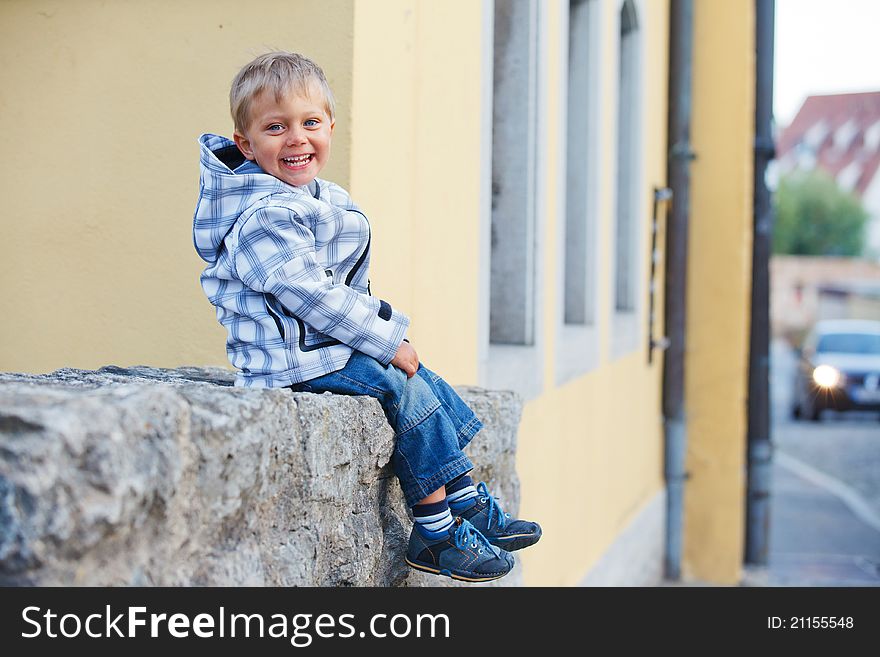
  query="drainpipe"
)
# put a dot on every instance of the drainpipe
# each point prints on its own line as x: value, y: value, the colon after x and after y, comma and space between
x: 760, y: 449
x: 680, y: 156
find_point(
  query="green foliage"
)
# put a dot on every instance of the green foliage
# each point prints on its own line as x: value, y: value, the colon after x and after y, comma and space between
x: 816, y: 217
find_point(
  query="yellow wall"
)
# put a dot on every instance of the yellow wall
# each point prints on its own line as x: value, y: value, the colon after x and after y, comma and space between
x: 415, y: 168
x: 590, y: 452
x: 102, y: 105
x: 589, y: 457
x: 719, y: 283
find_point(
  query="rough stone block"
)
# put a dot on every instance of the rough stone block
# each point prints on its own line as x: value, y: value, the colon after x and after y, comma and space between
x: 155, y: 477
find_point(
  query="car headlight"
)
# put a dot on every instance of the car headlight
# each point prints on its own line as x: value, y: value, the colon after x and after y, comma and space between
x: 826, y: 376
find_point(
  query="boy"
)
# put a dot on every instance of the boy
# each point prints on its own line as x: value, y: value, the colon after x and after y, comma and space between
x: 288, y: 255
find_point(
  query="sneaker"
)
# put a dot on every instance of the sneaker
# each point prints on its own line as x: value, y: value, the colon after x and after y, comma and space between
x: 498, y: 527
x: 463, y: 554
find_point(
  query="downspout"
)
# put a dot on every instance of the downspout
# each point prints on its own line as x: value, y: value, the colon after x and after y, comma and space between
x: 680, y: 156
x: 760, y: 449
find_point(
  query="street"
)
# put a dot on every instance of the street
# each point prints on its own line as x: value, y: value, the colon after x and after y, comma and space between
x: 825, y: 495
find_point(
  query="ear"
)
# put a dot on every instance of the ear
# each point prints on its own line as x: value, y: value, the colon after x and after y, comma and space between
x: 332, y: 125
x: 244, y: 144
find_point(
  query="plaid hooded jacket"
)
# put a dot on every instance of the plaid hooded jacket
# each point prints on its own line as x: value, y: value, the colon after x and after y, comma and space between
x: 287, y: 272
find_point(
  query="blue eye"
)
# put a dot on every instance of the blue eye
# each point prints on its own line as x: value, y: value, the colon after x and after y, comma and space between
x: 309, y: 123
x: 275, y: 127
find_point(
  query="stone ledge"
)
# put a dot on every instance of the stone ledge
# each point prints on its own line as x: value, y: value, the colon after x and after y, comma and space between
x: 155, y: 477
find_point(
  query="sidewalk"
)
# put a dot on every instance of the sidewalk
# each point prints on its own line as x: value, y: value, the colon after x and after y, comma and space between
x: 821, y: 532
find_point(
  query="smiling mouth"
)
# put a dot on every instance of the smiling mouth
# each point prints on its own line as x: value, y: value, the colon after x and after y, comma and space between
x: 297, y: 161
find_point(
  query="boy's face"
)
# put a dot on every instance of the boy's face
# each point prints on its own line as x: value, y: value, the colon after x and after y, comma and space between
x: 289, y: 139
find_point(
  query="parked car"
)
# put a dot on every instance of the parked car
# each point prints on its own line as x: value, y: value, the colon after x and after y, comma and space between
x: 839, y: 368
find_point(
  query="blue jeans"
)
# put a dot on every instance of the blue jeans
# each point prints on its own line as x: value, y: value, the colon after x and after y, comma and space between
x: 431, y: 422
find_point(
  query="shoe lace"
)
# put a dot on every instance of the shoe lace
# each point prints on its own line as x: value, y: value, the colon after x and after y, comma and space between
x: 495, y: 511
x: 468, y: 535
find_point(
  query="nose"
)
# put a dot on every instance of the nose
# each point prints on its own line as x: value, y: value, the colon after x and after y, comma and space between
x: 295, y: 136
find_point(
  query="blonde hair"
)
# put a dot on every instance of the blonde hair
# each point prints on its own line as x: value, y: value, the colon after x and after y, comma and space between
x: 279, y: 72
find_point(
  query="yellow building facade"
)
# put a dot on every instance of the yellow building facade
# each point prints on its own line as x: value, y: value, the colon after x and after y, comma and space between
x: 507, y: 155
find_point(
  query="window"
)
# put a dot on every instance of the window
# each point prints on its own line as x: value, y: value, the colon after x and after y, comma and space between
x: 848, y: 177
x: 577, y: 335
x: 630, y: 204
x: 514, y: 358
x: 580, y: 154
x: 816, y: 135
x: 512, y: 278
x: 627, y: 157
x: 872, y: 137
x: 845, y: 134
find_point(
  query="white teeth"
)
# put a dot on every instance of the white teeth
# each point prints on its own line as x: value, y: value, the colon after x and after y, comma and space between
x: 299, y: 159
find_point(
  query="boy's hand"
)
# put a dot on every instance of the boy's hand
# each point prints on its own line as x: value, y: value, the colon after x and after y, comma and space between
x: 406, y: 359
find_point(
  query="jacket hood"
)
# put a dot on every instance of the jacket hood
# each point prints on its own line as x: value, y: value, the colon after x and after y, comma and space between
x: 223, y: 194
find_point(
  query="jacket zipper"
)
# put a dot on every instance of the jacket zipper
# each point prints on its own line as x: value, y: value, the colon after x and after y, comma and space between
x: 360, y: 260
x: 270, y: 298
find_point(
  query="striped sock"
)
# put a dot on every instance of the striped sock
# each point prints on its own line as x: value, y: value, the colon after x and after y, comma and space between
x: 432, y: 520
x: 460, y: 493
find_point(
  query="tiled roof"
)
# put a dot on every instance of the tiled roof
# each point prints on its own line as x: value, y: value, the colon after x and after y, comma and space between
x: 839, y: 133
